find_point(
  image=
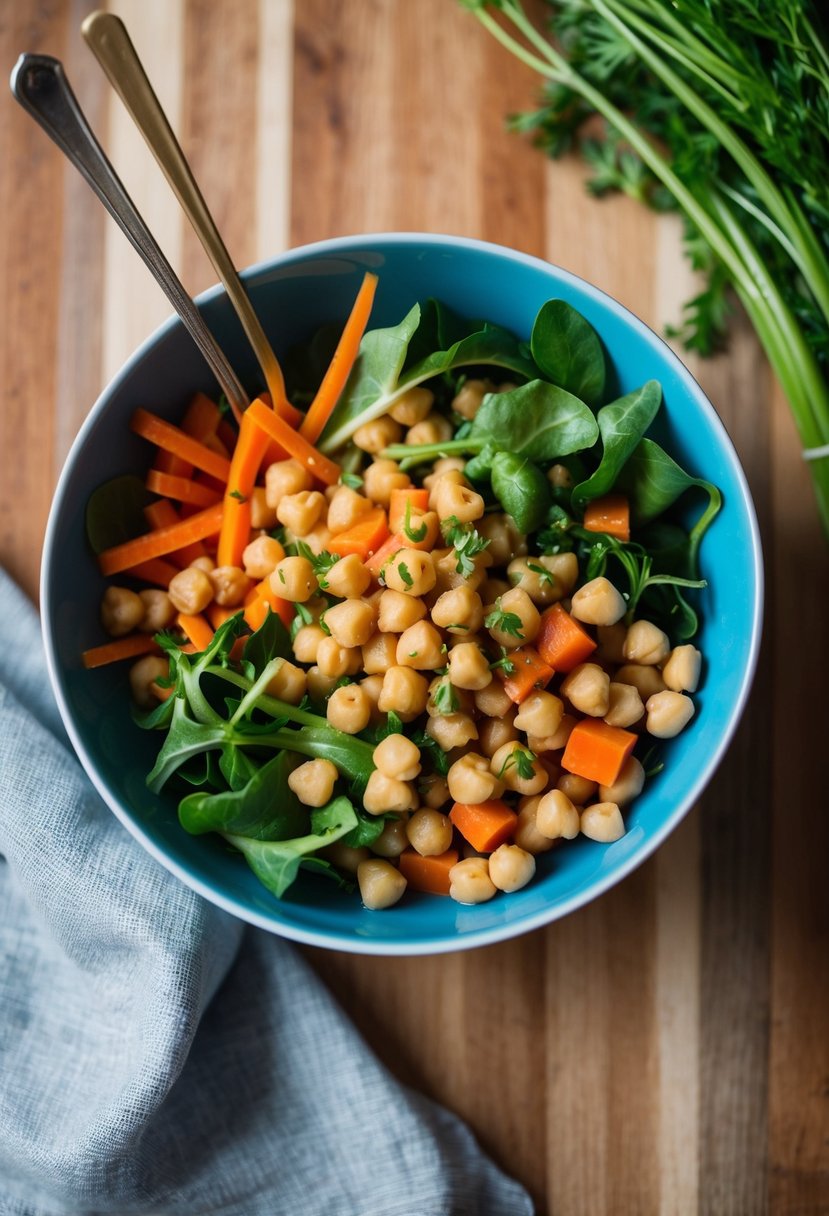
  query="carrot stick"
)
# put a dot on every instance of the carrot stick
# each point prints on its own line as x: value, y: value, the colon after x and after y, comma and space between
x: 597, y: 751
x: 561, y: 641
x: 184, y: 489
x: 485, y: 825
x: 123, y: 648
x: 348, y: 348
x: 364, y: 539
x: 196, y: 629
x: 162, y: 541
x: 244, y: 466
x: 610, y: 514
x: 531, y: 672
x: 155, y: 571
x: 295, y: 445
x: 162, y: 514
x: 428, y: 873
x: 172, y: 439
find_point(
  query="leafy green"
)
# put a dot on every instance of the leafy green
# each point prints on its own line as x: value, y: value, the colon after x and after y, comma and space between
x: 537, y: 420
x: 622, y: 424
x: 522, y: 490
x: 266, y: 808
x: 115, y: 512
x: 568, y: 352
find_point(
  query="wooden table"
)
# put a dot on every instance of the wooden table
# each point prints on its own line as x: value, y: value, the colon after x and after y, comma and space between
x: 667, y: 1048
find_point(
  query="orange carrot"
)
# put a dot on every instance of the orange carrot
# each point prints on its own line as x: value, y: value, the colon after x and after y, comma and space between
x: 162, y: 514
x: 428, y: 873
x: 262, y: 597
x: 378, y: 559
x: 416, y: 500
x: 484, y: 825
x: 561, y: 641
x: 173, y: 439
x: 244, y: 466
x: 155, y: 571
x: 184, y: 489
x: 130, y: 647
x: 295, y: 445
x: 597, y: 751
x: 531, y: 673
x: 196, y: 629
x: 364, y: 539
x: 610, y: 514
x: 162, y: 541
x: 345, y: 356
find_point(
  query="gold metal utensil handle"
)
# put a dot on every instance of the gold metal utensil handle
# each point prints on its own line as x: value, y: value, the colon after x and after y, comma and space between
x: 107, y: 37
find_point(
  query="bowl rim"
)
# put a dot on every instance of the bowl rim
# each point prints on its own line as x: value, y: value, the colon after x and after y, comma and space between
x: 366, y: 242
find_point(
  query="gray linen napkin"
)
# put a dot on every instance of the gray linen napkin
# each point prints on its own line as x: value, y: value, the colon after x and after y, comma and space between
x: 156, y: 1055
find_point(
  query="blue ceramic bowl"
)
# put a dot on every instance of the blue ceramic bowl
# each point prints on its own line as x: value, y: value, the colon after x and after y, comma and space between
x: 294, y: 294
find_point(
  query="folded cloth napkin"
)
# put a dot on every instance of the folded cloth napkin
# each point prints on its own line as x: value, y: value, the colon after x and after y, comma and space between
x: 158, y: 1056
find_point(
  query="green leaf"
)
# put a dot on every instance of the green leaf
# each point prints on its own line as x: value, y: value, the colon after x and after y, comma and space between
x: 266, y: 808
x: 536, y: 420
x: 522, y: 490
x: 622, y: 424
x: 115, y: 512
x: 567, y: 350
x: 270, y: 641
x: 276, y: 862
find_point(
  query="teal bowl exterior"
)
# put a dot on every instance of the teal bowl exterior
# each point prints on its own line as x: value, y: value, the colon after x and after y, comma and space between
x: 293, y: 294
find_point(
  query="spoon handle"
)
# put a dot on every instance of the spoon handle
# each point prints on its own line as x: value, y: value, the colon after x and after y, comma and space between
x: 107, y: 37
x: 40, y: 84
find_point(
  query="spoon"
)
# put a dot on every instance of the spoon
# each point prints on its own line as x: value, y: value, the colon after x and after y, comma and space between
x: 107, y: 37
x: 40, y: 84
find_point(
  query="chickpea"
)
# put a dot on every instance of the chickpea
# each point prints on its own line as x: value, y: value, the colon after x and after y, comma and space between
x: 493, y: 700
x: 319, y: 686
x: 434, y: 790
x: 381, y: 884
x: 467, y: 401
x: 190, y: 590
x: 379, y: 653
x: 378, y: 434
x: 624, y: 706
x: 396, y: 756
x: 143, y: 679
x: 668, y: 713
x: 493, y: 733
x: 451, y: 730
x: 384, y: 794
x: 230, y: 585
x: 302, y: 511
x: 344, y: 857
x: 261, y: 557
x: 380, y: 478
x: 429, y: 832
x: 681, y: 672
x: 511, y: 867
x: 471, y: 780
x: 511, y: 760
x: 646, y: 680
x: 283, y: 478
x: 468, y: 666
x: 646, y: 643
x: 559, y: 477
x: 159, y: 611
x: 527, y: 835
x: 611, y: 643
x: 351, y: 622
x: 372, y: 686
x: 288, y: 683
x: 335, y: 660
x: 347, y: 578
x: 459, y: 611
x: 505, y: 541
x: 598, y: 603
x: 398, y: 612
x: 411, y: 572
x: 348, y: 709
x: 556, y: 816
x: 603, y: 822
x: 469, y: 881
x: 405, y: 692
x: 313, y: 782
x: 345, y: 509
x: 393, y: 840
x: 459, y: 501
x: 540, y: 713
x: 587, y: 688
x: 434, y: 428
x: 578, y: 789
x: 261, y: 515
x: 627, y: 785
x: 412, y: 406
x: 293, y: 579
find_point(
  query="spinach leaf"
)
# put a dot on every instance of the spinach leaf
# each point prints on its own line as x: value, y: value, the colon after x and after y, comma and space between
x: 276, y: 862
x: 270, y: 641
x: 115, y: 512
x: 536, y: 420
x: 622, y: 424
x: 567, y: 350
x: 266, y: 808
x: 522, y: 490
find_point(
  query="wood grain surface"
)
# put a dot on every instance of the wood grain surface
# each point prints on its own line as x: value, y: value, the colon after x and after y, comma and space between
x: 665, y: 1049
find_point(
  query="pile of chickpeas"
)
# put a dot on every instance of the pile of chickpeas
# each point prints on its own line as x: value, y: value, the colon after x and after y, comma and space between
x: 391, y: 644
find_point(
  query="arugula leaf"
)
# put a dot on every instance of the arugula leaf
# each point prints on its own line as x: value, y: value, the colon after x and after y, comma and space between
x: 115, y: 512
x: 622, y: 424
x: 567, y: 350
x: 265, y: 808
x: 270, y: 641
x: 537, y: 420
x: 522, y: 490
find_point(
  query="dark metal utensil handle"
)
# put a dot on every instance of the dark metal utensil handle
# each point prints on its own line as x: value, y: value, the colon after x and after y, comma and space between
x: 40, y: 84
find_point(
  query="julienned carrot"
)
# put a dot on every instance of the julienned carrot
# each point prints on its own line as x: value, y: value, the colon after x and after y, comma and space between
x: 485, y: 825
x: 530, y: 673
x: 364, y: 539
x: 247, y: 457
x: 122, y: 648
x: 429, y: 874
x: 597, y: 751
x: 345, y: 356
x: 156, y: 571
x: 561, y: 641
x: 295, y: 445
x: 173, y: 439
x: 162, y: 541
x: 183, y: 489
x: 196, y: 628
x: 416, y: 500
x: 610, y: 514
x: 262, y: 597
x: 162, y: 514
